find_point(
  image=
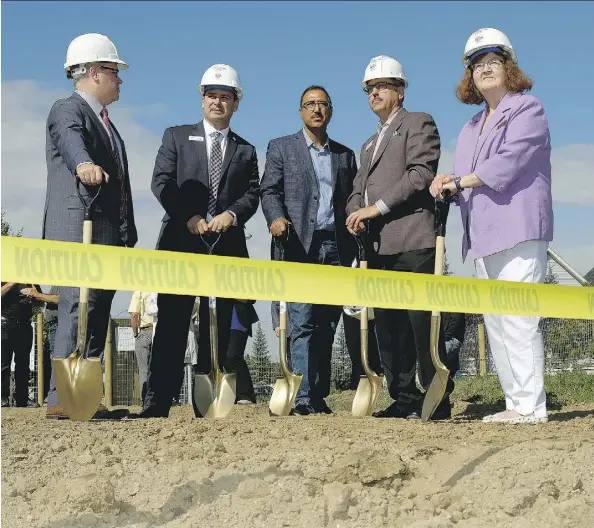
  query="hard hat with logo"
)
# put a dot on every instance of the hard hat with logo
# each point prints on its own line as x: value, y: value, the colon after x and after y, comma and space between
x: 485, y: 40
x: 91, y: 47
x: 221, y: 76
x: 384, y: 67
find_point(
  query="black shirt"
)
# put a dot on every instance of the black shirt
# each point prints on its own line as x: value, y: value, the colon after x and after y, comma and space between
x: 17, y: 307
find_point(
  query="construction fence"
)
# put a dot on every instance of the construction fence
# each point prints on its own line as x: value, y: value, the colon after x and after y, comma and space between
x: 569, y: 345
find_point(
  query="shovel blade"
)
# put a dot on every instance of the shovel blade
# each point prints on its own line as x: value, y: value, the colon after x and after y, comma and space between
x: 213, y: 396
x: 283, y: 395
x: 366, y: 395
x: 435, y: 393
x: 79, y: 382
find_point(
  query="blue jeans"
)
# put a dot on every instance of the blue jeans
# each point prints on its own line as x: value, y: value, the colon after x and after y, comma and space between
x: 311, y: 331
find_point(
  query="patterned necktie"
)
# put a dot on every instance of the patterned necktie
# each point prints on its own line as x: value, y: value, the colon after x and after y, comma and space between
x: 123, y: 205
x: 215, y: 173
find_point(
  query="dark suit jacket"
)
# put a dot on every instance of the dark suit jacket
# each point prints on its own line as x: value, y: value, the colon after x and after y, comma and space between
x: 290, y: 190
x: 181, y: 183
x: 75, y: 134
x: 400, y: 174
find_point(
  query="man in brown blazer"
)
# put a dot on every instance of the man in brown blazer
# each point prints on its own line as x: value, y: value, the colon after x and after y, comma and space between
x: 391, y: 195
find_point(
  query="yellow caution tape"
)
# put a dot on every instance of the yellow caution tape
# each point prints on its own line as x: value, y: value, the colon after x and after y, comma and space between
x: 115, y: 268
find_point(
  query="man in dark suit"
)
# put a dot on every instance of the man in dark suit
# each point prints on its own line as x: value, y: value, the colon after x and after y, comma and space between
x: 307, y: 180
x: 206, y: 179
x: 391, y: 193
x: 85, y: 152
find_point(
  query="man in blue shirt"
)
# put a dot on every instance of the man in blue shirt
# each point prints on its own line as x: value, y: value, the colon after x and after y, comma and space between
x: 307, y: 180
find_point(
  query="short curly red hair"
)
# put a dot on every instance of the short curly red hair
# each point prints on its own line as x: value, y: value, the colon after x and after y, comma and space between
x: 517, y: 81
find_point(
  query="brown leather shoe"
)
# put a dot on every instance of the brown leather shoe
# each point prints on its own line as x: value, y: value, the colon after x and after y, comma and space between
x: 56, y: 412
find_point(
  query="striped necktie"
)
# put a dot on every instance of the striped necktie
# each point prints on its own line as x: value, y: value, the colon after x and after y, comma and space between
x: 123, y: 205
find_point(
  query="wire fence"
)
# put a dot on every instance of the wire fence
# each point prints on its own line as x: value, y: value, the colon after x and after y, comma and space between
x: 568, y: 343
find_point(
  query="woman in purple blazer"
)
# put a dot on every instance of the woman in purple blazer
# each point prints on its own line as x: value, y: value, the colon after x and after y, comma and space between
x: 502, y: 183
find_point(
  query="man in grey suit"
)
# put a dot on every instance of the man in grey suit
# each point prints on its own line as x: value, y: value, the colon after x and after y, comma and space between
x: 206, y: 179
x: 307, y: 180
x: 391, y: 193
x: 85, y: 153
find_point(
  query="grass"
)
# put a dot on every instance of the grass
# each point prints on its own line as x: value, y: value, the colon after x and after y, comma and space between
x: 563, y: 389
x: 484, y: 394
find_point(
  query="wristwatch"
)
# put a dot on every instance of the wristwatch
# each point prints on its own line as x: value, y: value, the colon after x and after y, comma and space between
x: 457, y: 182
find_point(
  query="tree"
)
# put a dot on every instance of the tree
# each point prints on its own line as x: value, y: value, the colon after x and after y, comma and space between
x: 341, y: 361
x: 259, y: 361
x: 7, y: 229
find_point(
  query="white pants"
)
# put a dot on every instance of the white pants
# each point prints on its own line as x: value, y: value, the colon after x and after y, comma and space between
x: 516, y: 341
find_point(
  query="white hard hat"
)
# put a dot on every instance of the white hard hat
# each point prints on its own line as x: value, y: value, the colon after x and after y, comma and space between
x: 221, y: 75
x: 92, y: 47
x: 488, y: 39
x: 383, y: 66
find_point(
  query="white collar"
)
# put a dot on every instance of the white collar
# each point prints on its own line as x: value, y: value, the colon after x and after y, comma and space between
x: 209, y: 129
x: 91, y: 100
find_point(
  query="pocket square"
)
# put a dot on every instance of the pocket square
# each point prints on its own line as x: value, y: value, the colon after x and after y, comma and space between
x: 195, y: 138
x: 368, y: 146
x: 502, y: 124
x: 396, y: 133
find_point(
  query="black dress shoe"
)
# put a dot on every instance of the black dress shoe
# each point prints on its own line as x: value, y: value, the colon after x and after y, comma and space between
x: 393, y: 411
x: 324, y: 409
x: 29, y: 404
x: 304, y: 409
x: 149, y: 412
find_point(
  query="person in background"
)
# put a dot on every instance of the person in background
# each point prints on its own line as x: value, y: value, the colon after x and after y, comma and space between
x: 142, y: 328
x: 454, y: 325
x: 17, y: 340
x: 243, y: 317
x: 502, y: 183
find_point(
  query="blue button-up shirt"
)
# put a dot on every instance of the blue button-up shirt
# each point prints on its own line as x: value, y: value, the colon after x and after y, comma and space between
x: 322, y: 162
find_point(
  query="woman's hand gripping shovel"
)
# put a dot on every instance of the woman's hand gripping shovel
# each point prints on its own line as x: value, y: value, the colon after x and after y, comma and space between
x: 438, y: 386
x: 370, y: 383
x: 286, y: 386
x: 214, y: 393
x: 79, y: 380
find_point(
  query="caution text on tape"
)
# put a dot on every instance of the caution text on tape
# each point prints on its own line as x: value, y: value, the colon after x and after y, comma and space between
x: 107, y: 267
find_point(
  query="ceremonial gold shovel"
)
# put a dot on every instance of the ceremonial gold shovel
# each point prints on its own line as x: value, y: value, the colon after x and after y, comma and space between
x: 214, y: 393
x: 79, y: 380
x: 370, y: 383
x: 286, y: 386
x: 438, y: 386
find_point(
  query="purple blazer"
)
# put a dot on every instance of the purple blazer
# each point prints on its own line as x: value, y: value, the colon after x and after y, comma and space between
x: 513, y: 158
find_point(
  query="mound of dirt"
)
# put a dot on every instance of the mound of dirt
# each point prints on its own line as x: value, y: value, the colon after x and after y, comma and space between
x: 321, y: 471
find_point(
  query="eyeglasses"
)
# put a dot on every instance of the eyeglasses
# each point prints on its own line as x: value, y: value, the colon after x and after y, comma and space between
x: 381, y: 86
x: 493, y: 64
x: 115, y: 71
x: 311, y: 105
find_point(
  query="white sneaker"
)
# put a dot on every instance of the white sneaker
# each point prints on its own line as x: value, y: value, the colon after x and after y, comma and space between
x: 514, y: 417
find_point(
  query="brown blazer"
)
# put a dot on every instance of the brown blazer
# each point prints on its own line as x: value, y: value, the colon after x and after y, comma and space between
x: 400, y: 174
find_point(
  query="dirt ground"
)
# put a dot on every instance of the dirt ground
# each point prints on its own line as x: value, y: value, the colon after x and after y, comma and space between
x: 251, y: 470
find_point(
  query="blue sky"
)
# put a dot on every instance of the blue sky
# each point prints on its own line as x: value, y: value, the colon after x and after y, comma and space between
x: 279, y: 49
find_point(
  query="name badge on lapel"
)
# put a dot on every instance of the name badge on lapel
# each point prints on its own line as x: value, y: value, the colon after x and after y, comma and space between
x: 196, y: 138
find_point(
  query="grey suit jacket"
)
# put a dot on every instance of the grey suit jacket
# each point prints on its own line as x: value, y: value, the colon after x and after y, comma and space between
x: 74, y: 134
x: 400, y: 174
x: 290, y: 189
x: 181, y: 184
